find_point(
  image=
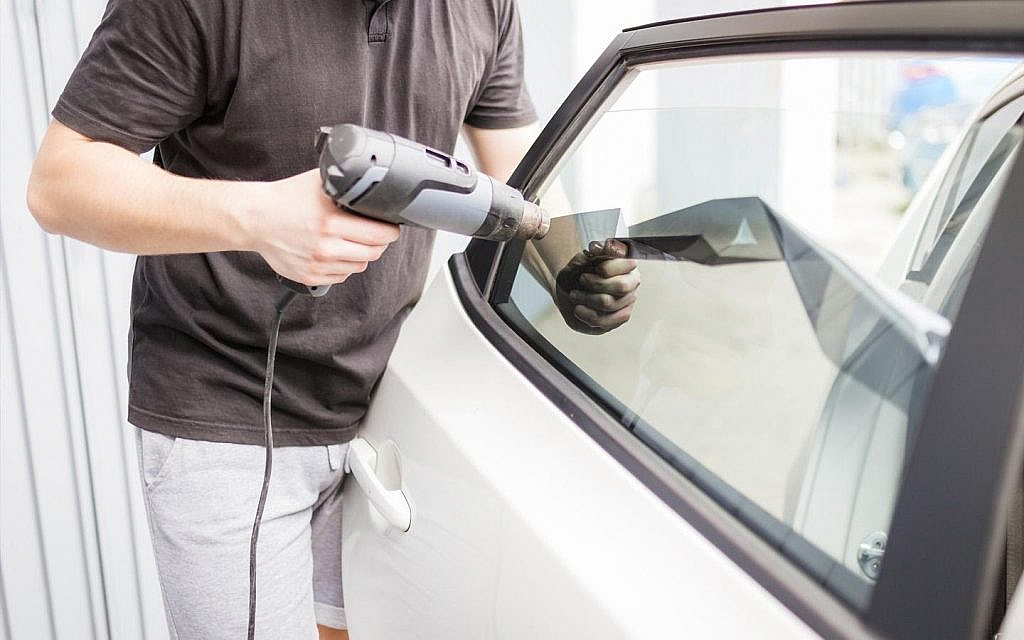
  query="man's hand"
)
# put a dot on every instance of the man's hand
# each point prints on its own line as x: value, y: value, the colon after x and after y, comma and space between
x: 596, y: 291
x: 304, y: 237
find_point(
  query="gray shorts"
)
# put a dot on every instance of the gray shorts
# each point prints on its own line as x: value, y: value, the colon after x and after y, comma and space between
x: 201, y: 498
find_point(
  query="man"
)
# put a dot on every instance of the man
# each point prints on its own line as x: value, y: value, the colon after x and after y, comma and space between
x: 230, y: 92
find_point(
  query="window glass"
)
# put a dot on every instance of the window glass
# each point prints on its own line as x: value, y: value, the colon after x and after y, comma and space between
x: 735, y: 271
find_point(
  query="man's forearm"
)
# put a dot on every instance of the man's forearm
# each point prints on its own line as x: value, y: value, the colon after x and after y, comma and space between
x: 108, y: 196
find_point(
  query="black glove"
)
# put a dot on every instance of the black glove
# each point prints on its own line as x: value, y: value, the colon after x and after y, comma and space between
x: 596, y: 290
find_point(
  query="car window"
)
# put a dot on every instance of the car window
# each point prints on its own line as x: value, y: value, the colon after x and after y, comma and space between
x: 765, y: 353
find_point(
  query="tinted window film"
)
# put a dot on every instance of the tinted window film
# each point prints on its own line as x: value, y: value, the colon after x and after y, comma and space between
x: 733, y: 273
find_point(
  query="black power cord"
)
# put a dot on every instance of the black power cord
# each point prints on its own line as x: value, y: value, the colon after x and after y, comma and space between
x: 268, y: 442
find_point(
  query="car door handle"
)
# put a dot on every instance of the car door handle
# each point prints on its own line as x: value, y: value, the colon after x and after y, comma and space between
x: 390, y: 503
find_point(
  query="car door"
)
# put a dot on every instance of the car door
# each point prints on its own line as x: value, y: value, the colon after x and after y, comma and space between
x: 516, y: 476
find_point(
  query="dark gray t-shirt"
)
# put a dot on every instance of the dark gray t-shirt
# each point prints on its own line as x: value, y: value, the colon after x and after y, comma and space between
x: 235, y: 89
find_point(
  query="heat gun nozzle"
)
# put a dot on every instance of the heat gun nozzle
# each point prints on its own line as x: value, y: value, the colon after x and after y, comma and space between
x: 535, y: 223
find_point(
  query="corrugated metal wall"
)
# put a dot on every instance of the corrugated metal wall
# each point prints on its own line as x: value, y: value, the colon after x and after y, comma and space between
x: 75, y: 560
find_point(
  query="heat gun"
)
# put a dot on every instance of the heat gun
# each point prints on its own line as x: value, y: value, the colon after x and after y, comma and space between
x: 389, y: 178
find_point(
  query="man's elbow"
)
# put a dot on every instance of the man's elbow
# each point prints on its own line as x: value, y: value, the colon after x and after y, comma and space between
x: 57, y: 162
x: 39, y: 199
x: 43, y: 193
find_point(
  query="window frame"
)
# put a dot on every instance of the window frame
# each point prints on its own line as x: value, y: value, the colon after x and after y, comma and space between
x: 974, y: 470
x: 945, y: 203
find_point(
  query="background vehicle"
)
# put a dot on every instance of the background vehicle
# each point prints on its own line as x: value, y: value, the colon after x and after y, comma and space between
x: 811, y: 430
x: 928, y: 110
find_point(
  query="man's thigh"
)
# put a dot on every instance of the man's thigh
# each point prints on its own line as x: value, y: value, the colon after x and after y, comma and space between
x: 201, y: 498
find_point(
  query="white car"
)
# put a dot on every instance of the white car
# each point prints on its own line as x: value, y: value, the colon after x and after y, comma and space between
x: 808, y: 427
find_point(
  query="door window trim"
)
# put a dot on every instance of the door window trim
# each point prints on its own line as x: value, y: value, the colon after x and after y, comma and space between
x: 484, y: 274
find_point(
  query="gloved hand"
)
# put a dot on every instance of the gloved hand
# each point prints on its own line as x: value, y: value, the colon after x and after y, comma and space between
x: 596, y: 290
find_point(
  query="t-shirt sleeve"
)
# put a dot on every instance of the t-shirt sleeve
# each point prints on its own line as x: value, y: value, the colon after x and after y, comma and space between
x: 503, y: 101
x: 142, y: 77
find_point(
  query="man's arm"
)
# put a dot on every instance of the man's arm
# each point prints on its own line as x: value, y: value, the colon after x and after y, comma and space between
x: 107, y: 196
x: 498, y: 151
x: 594, y: 289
